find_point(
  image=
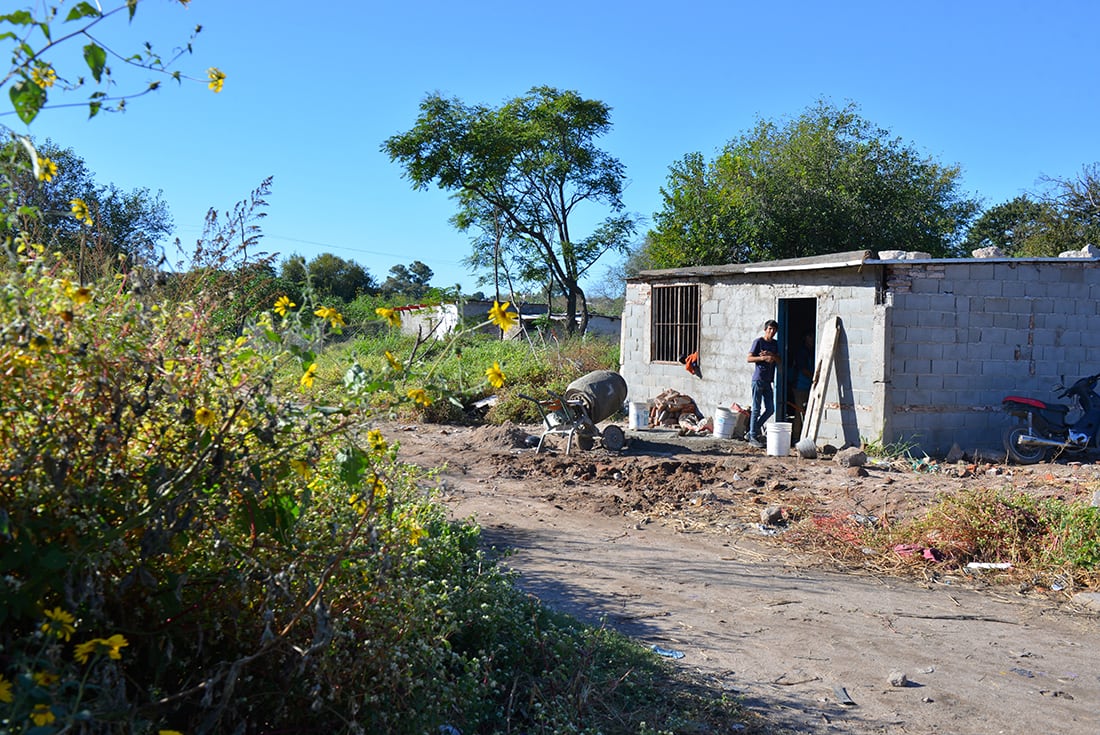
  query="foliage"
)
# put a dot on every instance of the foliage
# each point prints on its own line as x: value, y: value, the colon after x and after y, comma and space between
x: 412, y: 281
x: 827, y: 181
x: 327, y: 275
x: 34, y: 74
x: 1040, y: 537
x: 131, y: 224
x: 519, y: 172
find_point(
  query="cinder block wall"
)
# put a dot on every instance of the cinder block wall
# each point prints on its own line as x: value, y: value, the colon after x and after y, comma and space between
x: 965, y: 334
x: 733, y: 311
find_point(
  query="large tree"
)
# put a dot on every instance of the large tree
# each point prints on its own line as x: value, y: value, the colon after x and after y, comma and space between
x: 128, y: 223
x: 824, y: 182
x: 1065, y: 215
x: 524, y: 167
x: 329, y: 275
x: 412, y: 280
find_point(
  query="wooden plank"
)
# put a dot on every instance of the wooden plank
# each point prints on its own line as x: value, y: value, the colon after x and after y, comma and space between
x: 815, y: 406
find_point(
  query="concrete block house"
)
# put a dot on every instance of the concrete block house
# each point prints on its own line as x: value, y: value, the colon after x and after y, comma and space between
x: 925, y: 351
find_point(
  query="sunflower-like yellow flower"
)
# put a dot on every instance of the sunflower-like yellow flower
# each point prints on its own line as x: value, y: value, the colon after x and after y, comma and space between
x: 5, y: 690
x: 495, y: 375
x: 111, y: 646
x: 503, y: 318
x: 335, y: 318
x: 306, y: 381
x: 59, y: 624
x: 80, y: 210
x: 42, y: 715
x: 376, y: 441
x: 283, y: 305
x: 216, y: 77
x: 301, y: 468
x: 205, y: 418
x: 47, y: 169
x: 419, y: 396
x: 44, y: 76
x: 394, y: 363
x: 45, y: 679
x: 169, y: 732
x: 390, y: 315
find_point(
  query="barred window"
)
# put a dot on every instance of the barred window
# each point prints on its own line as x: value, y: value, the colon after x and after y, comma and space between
x: 674, y: 311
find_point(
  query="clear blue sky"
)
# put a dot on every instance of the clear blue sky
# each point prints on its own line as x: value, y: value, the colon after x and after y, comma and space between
x: 1008, y: 90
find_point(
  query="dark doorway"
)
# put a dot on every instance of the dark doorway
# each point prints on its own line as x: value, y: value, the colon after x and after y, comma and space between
x: 797, y: 333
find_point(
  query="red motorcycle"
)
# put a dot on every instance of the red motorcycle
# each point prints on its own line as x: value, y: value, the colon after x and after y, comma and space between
x: 1045, y: 426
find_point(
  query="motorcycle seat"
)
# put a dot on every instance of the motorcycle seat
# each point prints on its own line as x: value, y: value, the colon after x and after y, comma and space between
x: 1036, y: 403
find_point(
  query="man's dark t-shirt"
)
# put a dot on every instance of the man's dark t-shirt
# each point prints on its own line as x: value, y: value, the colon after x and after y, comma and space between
x: 765, y: 371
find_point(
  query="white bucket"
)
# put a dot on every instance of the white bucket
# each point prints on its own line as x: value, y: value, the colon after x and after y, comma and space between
x: 639, y: 415
x: 723, y: 423
x: 779, y: 438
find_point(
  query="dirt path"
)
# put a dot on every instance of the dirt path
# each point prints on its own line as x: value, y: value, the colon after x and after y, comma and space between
x: 791, y: 636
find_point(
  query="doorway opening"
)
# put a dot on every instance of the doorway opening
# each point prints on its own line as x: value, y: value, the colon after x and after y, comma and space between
x: 797, y: 336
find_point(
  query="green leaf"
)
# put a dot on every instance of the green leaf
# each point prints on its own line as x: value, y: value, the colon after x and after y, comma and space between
x: 27, y: 98
x: 82, y: 10
x: 19, y: 18
x: 353, y: 463
x: 96, y: 59
x: 93, y: 109
x: 132, y: 5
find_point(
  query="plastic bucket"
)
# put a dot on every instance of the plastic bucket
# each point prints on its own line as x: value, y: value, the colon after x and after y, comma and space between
x: 723, y: 423
x: 639, y: 415
x: 779, y: 438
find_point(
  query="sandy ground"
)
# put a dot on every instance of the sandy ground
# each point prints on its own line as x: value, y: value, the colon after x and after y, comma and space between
x: 663, y: 541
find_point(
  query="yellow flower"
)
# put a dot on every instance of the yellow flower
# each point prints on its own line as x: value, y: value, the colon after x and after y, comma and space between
x: 495, y: 376
x: 5, y: 690
x: 205, y: 417
x: 376, y: 440
x: 115, y: 643
x: 500, y: 316
x: 419, y: 395
x: 358, y: 502
x: 335, y: 318
x: 44, y: 76
x: 390, y: 315
x: 306, y: 380
x: 169, y: 732
x: 80, y: 211
x: 302, y: 468
x: 216, y: 77
x: 59, y: 623
x: 47, y: 169
x: 45, y: 678
x: 42, y: 715
x: 393, y: 361
x: 80, y: 295
x: 415, y: 534
x: 111, y: 646
x: 283, y: 305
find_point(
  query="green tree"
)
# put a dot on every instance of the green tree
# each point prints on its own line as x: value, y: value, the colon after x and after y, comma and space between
x: 132, y: 224
x: 524, y: 167
x: 412, y: 281
x: 1077, y: 201
x: 1020, y: 227
x: 827, y: 181
x: 330, y: 276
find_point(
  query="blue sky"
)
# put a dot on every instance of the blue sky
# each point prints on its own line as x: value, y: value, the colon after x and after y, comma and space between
x: 1007, y: 90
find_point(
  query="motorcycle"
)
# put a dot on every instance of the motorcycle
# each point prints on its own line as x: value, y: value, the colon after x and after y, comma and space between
x: 1045, y: 426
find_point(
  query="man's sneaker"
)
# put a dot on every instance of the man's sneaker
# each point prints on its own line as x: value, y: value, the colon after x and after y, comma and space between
x: 757, y: 443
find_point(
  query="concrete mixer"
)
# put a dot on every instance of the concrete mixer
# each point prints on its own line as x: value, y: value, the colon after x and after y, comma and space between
x: 587, y: 401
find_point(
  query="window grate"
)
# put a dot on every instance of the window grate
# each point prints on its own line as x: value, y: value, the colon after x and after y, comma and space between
x: 675, y: 325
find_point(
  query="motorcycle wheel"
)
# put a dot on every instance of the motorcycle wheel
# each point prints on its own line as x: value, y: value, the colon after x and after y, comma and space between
x: 1018, y: 454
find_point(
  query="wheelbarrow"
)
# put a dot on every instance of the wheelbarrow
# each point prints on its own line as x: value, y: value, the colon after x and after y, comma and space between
x: 586, y: 402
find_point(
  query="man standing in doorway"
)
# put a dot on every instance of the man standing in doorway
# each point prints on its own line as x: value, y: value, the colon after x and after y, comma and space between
x: 765, y: 355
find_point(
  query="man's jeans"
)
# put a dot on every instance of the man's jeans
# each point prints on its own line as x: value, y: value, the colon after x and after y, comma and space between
x: 761, y: 393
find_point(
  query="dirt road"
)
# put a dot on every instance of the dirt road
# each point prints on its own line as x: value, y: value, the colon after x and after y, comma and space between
x: 660, y: 542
